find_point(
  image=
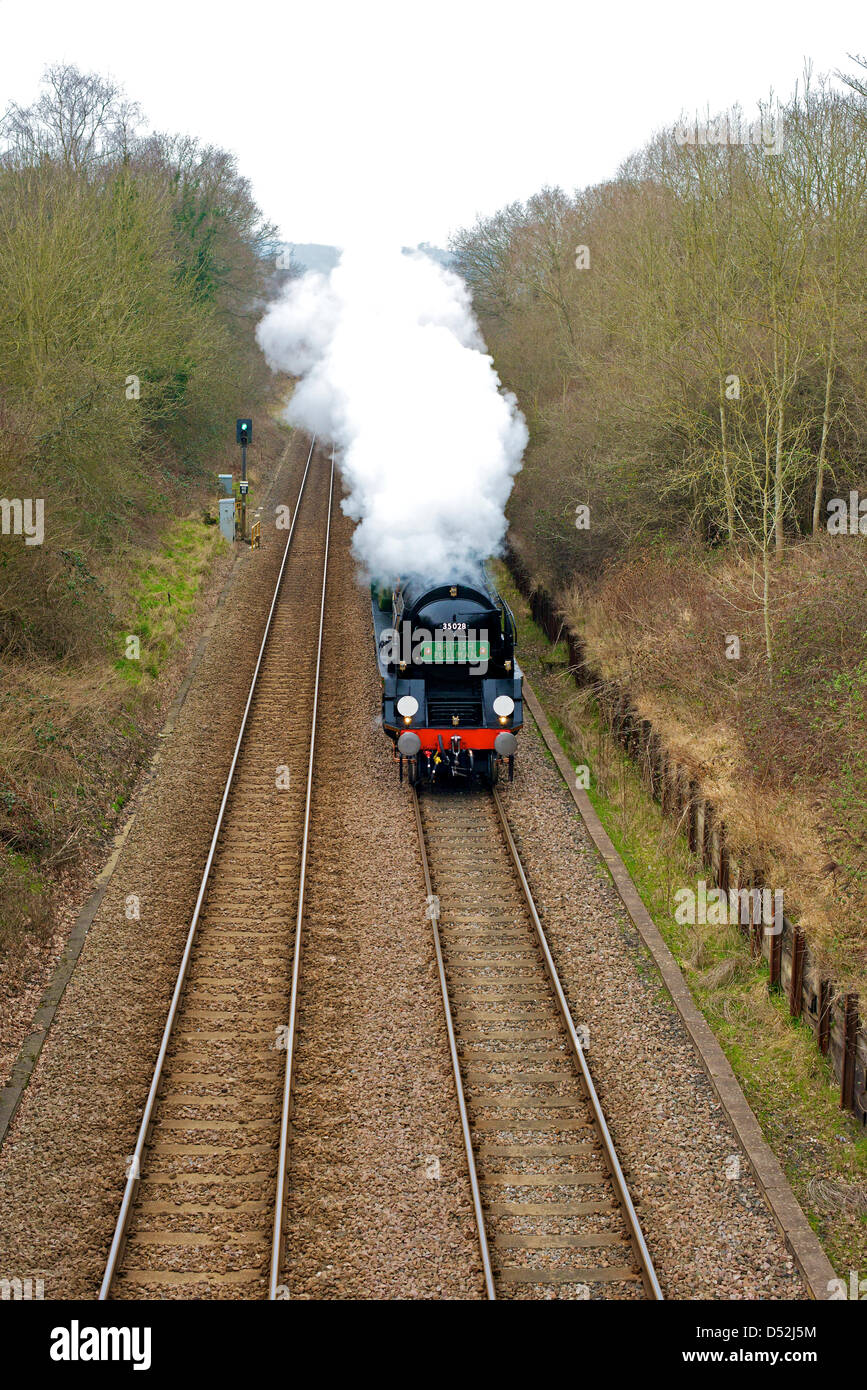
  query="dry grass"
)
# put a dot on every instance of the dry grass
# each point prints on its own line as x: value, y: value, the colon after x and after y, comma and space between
x: 74, y: 729
x: 777, y: 748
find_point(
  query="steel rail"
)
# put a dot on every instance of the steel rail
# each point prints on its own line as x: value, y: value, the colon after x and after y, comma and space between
x: 286, y: 1115
x: 134, y: 1175
x: 490, y: 1290
x: 648, y: 1273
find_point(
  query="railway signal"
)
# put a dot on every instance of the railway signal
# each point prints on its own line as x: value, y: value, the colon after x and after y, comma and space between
x: 244, y: 436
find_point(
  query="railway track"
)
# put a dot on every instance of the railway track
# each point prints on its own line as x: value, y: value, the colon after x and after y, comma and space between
x: 202, y: 1211
x: 203, y: 1208
x: 553, y: 1212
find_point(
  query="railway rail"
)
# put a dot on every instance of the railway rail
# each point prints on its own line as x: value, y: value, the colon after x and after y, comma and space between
x: 552, y: 1208
x: 202, y: 1210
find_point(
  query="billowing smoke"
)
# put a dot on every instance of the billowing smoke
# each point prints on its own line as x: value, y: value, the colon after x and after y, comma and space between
x: 395, y: 374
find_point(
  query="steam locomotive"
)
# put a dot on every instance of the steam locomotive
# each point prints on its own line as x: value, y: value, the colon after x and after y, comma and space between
x: 452, y: 690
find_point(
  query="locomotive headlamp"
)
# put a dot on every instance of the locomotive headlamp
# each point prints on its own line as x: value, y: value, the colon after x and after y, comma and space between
x: 504, y: 706
x: 407, y: 705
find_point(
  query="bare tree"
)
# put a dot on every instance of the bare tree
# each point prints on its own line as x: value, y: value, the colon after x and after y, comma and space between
x: 79, y: 120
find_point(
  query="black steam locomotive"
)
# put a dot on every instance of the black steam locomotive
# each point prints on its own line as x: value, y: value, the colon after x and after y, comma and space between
x: 452, y: 689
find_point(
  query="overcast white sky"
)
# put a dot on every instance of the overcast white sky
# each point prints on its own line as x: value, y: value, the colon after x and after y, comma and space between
x: 404, y: 121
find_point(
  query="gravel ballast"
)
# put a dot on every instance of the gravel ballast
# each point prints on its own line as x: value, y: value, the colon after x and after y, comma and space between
x: 379, y: 1199
x: 379, y: 1202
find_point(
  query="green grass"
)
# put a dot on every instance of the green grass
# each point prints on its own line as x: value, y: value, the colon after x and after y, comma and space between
x: 162, y: 597
x: 24, y: 902
x: 789, y: 1085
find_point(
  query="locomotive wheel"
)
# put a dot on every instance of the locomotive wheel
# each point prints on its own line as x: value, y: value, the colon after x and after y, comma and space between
x: 493, y: 770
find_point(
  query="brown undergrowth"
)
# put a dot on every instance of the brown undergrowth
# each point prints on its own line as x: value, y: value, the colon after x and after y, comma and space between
x: 77, y: 719
x: 774, y: 731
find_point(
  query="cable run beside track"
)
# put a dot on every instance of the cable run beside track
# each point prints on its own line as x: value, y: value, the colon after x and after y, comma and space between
x: 552, y: 1207
x: 197, y: 1215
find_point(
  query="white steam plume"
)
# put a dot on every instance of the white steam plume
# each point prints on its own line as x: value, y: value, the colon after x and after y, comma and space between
x: 395, y: 374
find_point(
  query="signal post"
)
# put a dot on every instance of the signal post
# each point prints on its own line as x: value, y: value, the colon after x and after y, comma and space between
x: 244, y: 436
